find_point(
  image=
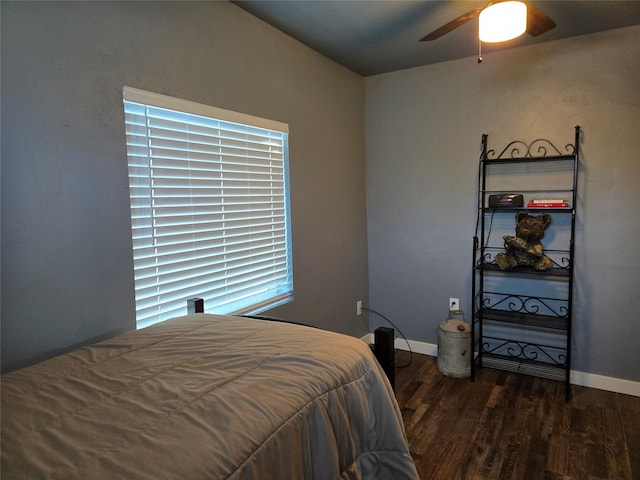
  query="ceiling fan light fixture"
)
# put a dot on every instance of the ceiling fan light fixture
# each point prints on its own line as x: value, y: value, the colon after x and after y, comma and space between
x: 502, y: 21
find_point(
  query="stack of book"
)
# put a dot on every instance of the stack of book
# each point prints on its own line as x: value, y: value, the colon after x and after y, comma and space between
x: 548, y: 203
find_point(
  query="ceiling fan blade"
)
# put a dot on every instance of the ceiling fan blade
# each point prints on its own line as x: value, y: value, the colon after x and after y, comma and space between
x: 538, y: 22
x: 453, y: 24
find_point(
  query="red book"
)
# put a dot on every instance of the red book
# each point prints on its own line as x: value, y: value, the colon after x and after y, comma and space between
x: 547, y: 205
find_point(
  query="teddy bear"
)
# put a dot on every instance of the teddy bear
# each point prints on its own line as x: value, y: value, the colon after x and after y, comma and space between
x: 525, y: 248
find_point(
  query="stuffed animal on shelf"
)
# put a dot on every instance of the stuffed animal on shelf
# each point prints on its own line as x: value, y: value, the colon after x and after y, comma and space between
x: 525, y: 248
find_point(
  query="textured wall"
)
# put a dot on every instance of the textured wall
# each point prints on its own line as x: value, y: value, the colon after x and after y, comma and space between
x: 423, y: 133
x: 67, y: 274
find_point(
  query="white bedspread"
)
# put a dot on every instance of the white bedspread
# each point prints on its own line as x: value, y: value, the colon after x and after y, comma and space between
x: 206, y: 397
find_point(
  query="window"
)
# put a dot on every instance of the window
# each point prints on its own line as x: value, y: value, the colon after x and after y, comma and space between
x: 209, y: 207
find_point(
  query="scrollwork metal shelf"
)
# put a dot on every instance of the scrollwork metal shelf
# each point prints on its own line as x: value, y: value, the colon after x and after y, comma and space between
x: 522, y: 351
x: 531, y: 209
x: 520, y: 329
x: 525, y: 367
x: 535, y: 311
x: 538, y: 150
x: 559, y: 258
x: 533, y: 320
x: 554, y: 271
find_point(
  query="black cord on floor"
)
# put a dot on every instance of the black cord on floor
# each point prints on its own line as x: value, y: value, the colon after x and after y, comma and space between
x: 399, y: 331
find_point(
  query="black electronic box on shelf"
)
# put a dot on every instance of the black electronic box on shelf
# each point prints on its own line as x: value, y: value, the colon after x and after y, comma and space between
x: 506, y: 200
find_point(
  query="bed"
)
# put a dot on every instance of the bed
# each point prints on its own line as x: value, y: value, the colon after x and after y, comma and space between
x: 206, y: 397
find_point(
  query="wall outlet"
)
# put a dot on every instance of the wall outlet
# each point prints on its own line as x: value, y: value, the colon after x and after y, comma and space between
x: 454, y: 303
x: 359, y: 307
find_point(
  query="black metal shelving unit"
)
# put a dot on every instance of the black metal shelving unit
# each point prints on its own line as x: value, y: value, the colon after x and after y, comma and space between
x: 522, y: 318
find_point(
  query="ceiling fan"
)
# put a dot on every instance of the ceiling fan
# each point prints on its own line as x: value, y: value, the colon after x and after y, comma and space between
x: 514, y: 16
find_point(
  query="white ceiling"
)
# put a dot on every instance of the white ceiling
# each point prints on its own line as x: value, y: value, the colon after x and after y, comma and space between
x: 378, y: 36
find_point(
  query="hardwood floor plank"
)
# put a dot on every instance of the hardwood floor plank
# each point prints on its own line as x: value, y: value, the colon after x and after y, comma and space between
x: 617, y: 454
x: 558, y: 446
x: 488, y: 429
x: 587, y: 442
x: 516, y: 437
x: 470, y: 405
x: 538, y: 432
x: 630, y: 418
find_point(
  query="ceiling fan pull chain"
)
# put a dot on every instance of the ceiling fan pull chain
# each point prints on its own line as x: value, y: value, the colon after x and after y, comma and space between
x: 480, y: 51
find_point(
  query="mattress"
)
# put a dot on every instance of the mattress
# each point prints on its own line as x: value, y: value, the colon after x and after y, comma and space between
x: 206, y: 397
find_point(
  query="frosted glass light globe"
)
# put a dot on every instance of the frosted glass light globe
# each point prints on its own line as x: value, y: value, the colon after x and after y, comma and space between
x: 503, y: 21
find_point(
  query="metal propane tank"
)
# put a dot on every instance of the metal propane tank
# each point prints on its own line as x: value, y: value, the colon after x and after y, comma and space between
x: 454, y: 346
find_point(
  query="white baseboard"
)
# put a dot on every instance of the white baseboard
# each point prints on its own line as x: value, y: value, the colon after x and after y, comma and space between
x: 584, y: 379
x: 593, y: 380
x: 418, y: 347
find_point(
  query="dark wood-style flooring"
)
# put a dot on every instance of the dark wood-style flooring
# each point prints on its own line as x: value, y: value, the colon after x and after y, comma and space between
x: 509, y: 426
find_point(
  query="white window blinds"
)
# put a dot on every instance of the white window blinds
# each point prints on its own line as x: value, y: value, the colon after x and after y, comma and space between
x: 209, y: 207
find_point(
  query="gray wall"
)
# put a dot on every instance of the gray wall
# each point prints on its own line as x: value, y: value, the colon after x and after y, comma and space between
x: 67, y: 274
x: 423, y: 132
